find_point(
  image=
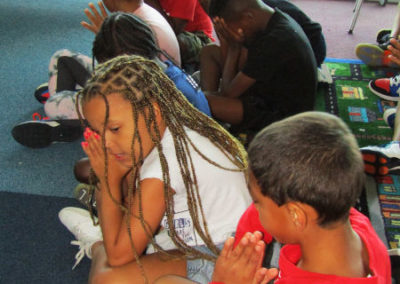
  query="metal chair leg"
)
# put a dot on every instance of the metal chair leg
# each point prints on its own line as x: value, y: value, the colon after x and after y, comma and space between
x: 356, y: 12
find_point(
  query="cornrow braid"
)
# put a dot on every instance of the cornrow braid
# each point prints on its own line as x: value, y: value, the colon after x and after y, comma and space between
x: 124, y: 33
x: 143, y: 83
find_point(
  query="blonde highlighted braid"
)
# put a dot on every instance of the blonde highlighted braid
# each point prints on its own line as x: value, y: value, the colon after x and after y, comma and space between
x: 142, y: 83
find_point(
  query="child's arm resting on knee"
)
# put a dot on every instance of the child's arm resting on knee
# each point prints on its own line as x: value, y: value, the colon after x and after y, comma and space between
x: 242, y: 264
x: 113, y: 221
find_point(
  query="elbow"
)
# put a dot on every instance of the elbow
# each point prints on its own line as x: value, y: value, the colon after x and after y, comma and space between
x: 121, y: 256
x: 115, y: 260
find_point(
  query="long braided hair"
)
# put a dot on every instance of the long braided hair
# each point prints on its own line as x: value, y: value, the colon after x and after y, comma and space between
x: 143, y: 83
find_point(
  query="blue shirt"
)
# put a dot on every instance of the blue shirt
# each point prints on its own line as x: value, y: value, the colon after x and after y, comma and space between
x: 188, y: 86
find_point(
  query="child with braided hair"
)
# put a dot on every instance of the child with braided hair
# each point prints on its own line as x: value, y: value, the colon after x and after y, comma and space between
x: 172, y: 183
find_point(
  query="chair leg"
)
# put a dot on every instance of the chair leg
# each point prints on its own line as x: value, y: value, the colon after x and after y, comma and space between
x: 356, y: 12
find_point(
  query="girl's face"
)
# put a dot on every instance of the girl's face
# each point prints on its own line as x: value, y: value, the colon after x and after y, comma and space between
x: 120, y: 127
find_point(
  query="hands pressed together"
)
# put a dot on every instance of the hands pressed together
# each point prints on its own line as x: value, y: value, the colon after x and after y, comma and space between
x: 93, y: 147
x: 242, y: 264
x: 224, y: 32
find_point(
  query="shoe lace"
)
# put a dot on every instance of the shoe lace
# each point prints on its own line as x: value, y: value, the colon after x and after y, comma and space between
x: 37, y: 116
x: 85, y: 243
x: 84, y: 249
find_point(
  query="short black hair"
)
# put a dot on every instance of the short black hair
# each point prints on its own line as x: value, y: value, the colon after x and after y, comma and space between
x: 229, y: 10
x: 124, y: 33
x: 311, y: 158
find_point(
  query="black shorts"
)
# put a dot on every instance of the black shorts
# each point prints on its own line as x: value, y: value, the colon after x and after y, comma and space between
x: 256, y: 113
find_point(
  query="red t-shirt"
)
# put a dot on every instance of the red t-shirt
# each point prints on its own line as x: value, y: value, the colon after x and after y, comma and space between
x: 190, y: 10
x: 250, y: 222
x: 379, y: 261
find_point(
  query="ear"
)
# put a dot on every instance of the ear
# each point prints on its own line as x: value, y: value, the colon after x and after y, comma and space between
x: 248, y: 17
x: 298, y: 215
x: 157, y: 112
x: 157, y: 109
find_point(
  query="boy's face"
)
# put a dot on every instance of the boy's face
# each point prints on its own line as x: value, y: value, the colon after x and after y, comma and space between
x: 275, y: 219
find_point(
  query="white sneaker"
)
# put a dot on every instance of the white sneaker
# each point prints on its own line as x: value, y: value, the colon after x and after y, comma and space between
x: 389, y: 116
x: 324, y: 75
x: 80, y: 224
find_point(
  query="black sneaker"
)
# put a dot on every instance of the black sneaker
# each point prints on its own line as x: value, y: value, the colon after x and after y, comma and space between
x: 42, y: 93
x: 383, y: 35
x: 39, y: 134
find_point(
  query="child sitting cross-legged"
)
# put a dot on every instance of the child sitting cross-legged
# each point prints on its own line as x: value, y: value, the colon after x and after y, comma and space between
x: 305, y: 174
x: 171, y: 184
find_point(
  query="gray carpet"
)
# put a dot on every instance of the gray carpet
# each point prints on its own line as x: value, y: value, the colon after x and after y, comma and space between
x: 34, y: 246
x: 30, y: 32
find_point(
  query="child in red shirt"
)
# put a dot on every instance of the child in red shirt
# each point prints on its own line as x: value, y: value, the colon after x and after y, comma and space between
x: 290, y: 254
x: 306, y: 173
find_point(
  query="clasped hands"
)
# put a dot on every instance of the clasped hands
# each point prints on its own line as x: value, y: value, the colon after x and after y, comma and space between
x: 95, y: 150
x: 242, y: 264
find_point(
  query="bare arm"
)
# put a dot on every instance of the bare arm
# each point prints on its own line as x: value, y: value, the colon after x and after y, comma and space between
x: 113, y: 220
x: 234, y: 83
x: 396, y: 24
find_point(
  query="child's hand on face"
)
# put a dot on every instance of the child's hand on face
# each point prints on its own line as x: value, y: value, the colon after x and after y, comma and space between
x: 93, y: 147
x: 242, y: 264
x: 231, y: 36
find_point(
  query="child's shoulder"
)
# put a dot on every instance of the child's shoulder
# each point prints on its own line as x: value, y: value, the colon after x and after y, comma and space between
x: 379, y: 262
x: 363, y: 227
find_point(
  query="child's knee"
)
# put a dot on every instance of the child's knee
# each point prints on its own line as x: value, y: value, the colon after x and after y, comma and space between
x: 61, y: 105
x: 82, y: 170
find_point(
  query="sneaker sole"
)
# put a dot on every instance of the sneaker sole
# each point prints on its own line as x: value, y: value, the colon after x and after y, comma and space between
x: 372, y: 55
x: 378, y: 164
x: 38, y: 134
x: 383, y: 96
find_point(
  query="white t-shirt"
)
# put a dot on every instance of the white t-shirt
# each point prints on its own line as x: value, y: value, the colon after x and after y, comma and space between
x: 165, y: 35
x: 224, y: 194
